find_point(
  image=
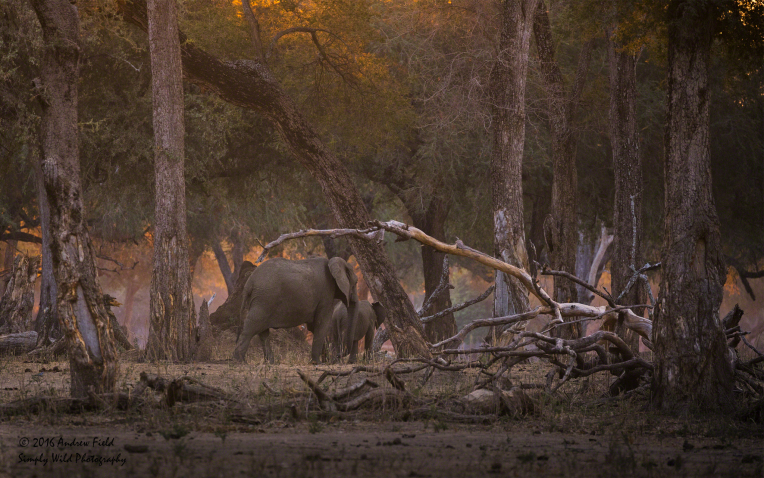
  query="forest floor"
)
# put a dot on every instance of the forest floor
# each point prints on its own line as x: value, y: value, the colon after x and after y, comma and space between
x: 574, y: 433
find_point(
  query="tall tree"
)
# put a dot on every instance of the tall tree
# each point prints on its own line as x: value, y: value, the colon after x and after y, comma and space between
x: 561, y: 227
x: 252, y: 85
x: 171, y: 315
x: 507, y: 84
x: 46, y: 322
x: 92, y: 353
x: 692, y: 364
x: 627, y: 169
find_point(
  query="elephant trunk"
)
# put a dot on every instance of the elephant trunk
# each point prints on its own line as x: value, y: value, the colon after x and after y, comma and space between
x: 350, y: 333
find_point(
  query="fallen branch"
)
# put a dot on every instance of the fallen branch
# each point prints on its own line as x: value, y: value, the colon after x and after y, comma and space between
x: 365, y: 234
x: 548, y: 272
x: 188, y: 390
x: 638, y: 274
x: 18, y: 343
x: 324, y: 400
x: 443, y: 286
x: 459, y: 307
x: 346, y: 392
x: 510, y: 319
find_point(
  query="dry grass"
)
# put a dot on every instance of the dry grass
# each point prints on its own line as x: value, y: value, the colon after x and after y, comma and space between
x: 572, y: 433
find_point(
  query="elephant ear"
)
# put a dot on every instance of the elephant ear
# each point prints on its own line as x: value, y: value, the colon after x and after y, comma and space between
x: 379, y: 311
x: 338, y: 268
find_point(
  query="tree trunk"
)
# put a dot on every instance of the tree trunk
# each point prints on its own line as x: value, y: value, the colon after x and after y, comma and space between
x: 507, y: 85
x: 562, y: 224
x: 18, y: 299
x: 225, y: 268
x: 10, y: 253
x: 433, y: 222
x: 251, y: 85
x: 92, y: 353
x: 541, y: 208
x: 237, y: 253
x: 132, y: 289
x: 46, y: 323
x: 693, y: 368
x: 627, y: 169
x: 171, y: 315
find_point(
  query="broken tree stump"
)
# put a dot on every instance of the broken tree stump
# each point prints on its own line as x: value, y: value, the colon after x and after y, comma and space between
x: 203, y: 336
x: 18, y: 299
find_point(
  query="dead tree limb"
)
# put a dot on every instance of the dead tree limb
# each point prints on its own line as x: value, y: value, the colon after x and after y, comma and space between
x: 461, y: 306
x: 608, y: 298
x: 510, y: 319
x: 365, y: 234
x: 18, y: 343
x: 324, y: 400
x: 443, y: 286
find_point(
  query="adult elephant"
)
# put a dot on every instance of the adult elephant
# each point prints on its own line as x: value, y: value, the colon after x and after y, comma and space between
x: 368, y: 319
x: 281, y: 293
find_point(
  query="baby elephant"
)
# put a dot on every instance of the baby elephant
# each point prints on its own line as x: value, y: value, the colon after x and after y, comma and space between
x: 370, y: 317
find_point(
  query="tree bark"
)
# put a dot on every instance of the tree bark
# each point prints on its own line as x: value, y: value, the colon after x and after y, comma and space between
x: 132, y: 289
x: 251, y: 85
x: 225, y: 268
x: 433, y: 222
x: 92, y: 353
x: 507, y: 85
x: 46, y: 323
x: 237, y: 253
x: 18, y: 343
x: 18, y: 299
x: 693, y: 369
x: 171, y: 315
x: 562, y: 224
x: 627, y: 169
x: 10, y: 253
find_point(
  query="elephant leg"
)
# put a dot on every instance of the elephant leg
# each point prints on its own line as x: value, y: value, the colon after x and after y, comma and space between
x: 267, y: 351
x: 319, y: 338
x: 368, y: 339
x: 248, y: 330
x: 353, y: 351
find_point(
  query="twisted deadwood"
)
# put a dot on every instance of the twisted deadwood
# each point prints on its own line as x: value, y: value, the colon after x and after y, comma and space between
x: 611, y: 352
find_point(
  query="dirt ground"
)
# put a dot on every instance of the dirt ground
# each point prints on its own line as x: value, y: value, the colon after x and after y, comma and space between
x: 288, y: 436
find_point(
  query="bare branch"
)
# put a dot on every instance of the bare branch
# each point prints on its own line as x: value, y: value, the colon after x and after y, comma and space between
x: 510, y: 319
x: 365, y: 234
x: 443, y: 286
x: 461, y: 306
x: 548, y: 272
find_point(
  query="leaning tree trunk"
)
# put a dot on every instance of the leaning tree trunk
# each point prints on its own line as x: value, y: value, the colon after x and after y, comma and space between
x: 225, y: 268
x: 171, y: 315
x: 507, y: 85
x: 693, y: 368
x: 237, y: 253
x: 627, y: 169
x: 92, y: 354
x: 562, y: 225
x: 46, y: 324
x: 10, y: 253
x: 251, y: 85
x: 133, y: 287
x: 17, y: 302
x: 433, y: 222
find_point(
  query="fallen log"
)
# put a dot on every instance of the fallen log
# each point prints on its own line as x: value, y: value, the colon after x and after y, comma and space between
x: 18, y: 343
